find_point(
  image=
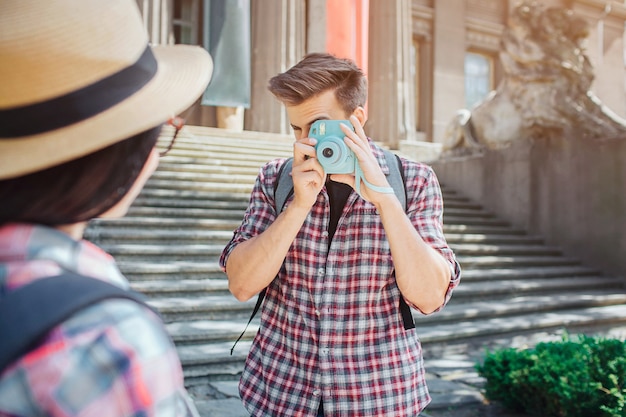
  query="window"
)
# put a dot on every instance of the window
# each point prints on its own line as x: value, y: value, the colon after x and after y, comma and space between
x: 478, y: 78
x: 186, y: 21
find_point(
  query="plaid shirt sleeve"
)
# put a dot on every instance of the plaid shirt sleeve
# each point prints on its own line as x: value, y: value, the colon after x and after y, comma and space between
x: 112, y: 359
x: 260, y: 213
x: 425, y: 210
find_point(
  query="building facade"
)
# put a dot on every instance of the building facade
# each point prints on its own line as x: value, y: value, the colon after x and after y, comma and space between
x: 425, y: 59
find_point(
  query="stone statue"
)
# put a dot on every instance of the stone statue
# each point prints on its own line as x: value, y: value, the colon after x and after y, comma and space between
x: 544, y: 91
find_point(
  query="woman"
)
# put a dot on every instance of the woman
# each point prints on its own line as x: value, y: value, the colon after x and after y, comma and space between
x: 82, y: 102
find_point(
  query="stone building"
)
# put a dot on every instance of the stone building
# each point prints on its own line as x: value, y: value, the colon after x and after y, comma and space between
x: 425, y: 59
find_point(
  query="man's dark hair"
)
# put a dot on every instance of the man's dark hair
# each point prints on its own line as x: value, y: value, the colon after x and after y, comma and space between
x: 78, y: 190
x: 317, y: 73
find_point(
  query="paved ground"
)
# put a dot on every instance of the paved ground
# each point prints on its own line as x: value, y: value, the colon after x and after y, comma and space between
x: 453, y: 382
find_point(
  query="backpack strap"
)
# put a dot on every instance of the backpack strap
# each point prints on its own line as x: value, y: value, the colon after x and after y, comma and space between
x: 396, y: 180
x: 30, y: 312
x: 283, y: 188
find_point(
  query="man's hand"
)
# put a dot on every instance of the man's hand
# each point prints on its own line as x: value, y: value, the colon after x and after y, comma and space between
x: 358, y: 143
x: 307, y: 173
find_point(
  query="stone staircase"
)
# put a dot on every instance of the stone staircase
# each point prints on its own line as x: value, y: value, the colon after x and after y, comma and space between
x: 169, y: 244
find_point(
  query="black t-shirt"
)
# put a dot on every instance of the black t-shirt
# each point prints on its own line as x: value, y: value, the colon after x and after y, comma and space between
x: 338, y: 194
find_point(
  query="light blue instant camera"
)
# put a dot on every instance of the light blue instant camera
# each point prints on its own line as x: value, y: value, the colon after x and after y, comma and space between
x: 332, y: 152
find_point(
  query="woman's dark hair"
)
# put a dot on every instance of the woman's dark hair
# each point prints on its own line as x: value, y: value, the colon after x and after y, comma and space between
x: 78, y: 190
x: 317, y: 73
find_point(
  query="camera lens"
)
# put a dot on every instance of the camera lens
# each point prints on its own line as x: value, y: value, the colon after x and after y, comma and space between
x: 327, y: 152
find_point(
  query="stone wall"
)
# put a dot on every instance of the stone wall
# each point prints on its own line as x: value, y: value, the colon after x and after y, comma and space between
x: 570, y: 191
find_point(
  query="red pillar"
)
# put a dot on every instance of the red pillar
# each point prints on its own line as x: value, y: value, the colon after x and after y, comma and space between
x: 347, y: 30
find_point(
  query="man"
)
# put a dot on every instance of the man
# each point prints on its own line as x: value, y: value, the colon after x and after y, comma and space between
x: 336, y: 264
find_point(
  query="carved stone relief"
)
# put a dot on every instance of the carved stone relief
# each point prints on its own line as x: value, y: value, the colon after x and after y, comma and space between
x: 545, y: 88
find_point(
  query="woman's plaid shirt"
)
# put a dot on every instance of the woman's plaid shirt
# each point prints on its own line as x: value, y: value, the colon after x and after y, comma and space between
x: 112, y: 359
x: 331, y: 329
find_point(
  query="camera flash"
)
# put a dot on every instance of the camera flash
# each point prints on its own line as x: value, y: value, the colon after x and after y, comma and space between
x: 322, y: 129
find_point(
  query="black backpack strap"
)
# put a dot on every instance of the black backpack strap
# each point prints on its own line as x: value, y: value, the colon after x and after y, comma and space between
x: 283, y: 187
x: 30, y: 312
x: 259, y: 301
x: 396, y: 180
x: 396, y: 176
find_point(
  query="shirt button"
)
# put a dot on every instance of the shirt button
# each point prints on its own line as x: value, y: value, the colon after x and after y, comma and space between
x: 325, y: 351
x: 318, y: 313
x: 321, y: 272
x: 317, y: 392
x: 325, y: 234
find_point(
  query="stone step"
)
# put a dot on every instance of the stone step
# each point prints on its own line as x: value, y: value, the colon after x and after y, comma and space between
x: 213, y: 361
x: 491, y: 229
x: 224, y: 152
x: 462, y: 211
x: 174, y: 168
x: 474, y: 285
x: 166, y: 251
x: 490, y: 238
x: 186, y: 212
x: 111, y: 235
x: 486, y: 290
x: 155, y: 235
x: 153, y: 222
x: 154, y: 271
x: 521, y: 273
x: 181, y: 287
x: 140, y: 253
x: 570, y: 319
x: 210, y: 298
x: 205, y: 307
x: 191, y: 201
x: 216, y: 187
x: 206, y: 331
x: 474, y: 262
x: 225, y: 177
x: 501, y: 249
x: 461, y: 203
x: 474, y: 221
x: 167, y: 223
x: 215, y: 197
x: 195, y: 212
x: 205, y: 156
x: 234, y: 146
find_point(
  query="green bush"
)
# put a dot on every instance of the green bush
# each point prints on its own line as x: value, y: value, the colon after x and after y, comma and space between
x: 577, y: 377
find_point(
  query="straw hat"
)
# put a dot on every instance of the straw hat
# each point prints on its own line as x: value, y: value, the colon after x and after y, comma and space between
x: 79, y: 75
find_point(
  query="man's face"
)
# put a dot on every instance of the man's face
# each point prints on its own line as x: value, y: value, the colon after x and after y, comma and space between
x: 324, y: 106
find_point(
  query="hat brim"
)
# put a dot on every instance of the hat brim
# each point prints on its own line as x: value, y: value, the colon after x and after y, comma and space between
x: 183, y: 73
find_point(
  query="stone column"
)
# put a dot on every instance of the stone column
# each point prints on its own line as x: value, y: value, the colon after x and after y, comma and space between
x: 278, y: 42
x: 449, y: 63
x: 604, y: 47
x: 316, y: 36
x: 391, y: 101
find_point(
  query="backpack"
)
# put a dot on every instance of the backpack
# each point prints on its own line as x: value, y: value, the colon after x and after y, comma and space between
x: 283, y: 189
x: 30, y: 312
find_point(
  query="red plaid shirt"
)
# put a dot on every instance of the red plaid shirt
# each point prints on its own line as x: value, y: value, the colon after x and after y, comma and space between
x: 331, y: 329
x: 111, y: 359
